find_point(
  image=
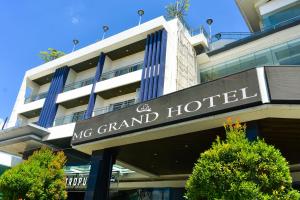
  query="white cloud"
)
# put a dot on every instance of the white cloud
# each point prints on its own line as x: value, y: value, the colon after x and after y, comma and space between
x: 75, y: 20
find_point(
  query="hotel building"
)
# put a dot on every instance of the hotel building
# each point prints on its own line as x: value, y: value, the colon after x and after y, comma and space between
x: 134, y: 111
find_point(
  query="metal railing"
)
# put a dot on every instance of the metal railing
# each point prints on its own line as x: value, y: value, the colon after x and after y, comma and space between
x: 98, y: 111
x: 36, y: 97
x: 88, y: 81
x: 244, y: 36
x: 69, y: 118
x: 78, y: 84
x: 121, y: 71
x: 230, y: 35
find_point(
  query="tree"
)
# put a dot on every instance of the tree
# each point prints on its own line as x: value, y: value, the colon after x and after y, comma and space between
x: 178, y: 9
x: 240, y: 169
x: 51, y: 54
x: 40, y: 177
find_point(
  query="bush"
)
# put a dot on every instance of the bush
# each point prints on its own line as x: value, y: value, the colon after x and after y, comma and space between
x: 40, y: 177
x: 239, y: 169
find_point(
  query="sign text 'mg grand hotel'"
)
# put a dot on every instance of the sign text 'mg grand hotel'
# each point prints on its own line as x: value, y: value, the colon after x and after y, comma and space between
x: 240, y: 90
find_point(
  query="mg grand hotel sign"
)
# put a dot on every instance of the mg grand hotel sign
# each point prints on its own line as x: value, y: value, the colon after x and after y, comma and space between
x: 223, y: 95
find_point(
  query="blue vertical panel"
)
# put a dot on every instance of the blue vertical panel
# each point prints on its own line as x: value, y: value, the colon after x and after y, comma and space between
x: 49, y: 109
x: 100, y: 174
x: 152, y: 67
x: 157, y: 59
x: 92, y: 99
x: 161, y: 79
x: 252, y: 131
x: 146, y: 85
x: 152, y: 81
x: 141, y: 95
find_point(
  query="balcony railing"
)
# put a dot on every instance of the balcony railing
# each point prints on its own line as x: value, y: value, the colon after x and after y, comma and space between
x: 36, y: 97
x: 104, y: 76
x: 283, y: 54
x: 241, y: 38
x: 98, y: 111
x: 78, y: 84
x: 121, y: 71
x: 89, y: 81
x: 197, y: 31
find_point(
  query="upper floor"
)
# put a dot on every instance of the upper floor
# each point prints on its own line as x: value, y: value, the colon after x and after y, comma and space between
x: 120, y: 81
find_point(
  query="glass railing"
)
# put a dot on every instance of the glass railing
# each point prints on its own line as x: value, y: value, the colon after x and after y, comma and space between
x: 78, y: 84
x: 240, y: 38
x: 283, y: 54
x: 113, y: 107
x: 197, y: 31
x: 121, y: 71
x: 36, y: 97
x: 98, y: 111
x: 104, y: 76
x: 230, y: 36
x: 69, y: 118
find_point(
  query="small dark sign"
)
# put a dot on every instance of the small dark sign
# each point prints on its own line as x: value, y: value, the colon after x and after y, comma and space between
x: 226, y: 94
x: 76, y: 181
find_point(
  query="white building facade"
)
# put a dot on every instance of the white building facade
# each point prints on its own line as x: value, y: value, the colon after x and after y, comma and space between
x: 145, y: 98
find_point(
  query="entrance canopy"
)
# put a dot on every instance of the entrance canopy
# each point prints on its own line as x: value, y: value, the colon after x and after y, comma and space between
x: 18, y: 140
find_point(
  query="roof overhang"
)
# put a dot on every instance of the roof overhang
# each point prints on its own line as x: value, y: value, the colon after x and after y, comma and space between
x: 250, y: 13
x: 18, y: 140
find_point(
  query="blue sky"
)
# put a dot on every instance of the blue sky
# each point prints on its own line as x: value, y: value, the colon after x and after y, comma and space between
x: 28, y: 27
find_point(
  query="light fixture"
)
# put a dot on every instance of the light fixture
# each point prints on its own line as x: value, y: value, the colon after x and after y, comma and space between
x: 209, y: 22
x: 218, y: 36
x: 140, y: 13
x: 75, y: 42
x: 105, y: 28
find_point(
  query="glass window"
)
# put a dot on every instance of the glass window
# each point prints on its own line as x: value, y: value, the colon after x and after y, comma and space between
x: 247, y: 62
x: 263, y: 58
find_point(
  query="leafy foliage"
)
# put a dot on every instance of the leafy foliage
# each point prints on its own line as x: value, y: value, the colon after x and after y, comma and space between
x: 178, y: 9
x: 51, y: 54
x: 40, y: 177
x: 239, y: 169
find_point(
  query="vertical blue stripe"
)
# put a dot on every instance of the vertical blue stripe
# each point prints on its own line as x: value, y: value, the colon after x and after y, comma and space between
x: 161, y: 79
x: 146, y: 86
x: 49, y: 108
x: 92, y: 99
x: 157, y: 59
x: 141, y: 95
x: 152, y: 81
x: 151, y: 68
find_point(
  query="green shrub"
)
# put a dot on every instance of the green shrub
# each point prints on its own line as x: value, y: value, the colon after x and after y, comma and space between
x: 239, y: 169
x: 40, y: 177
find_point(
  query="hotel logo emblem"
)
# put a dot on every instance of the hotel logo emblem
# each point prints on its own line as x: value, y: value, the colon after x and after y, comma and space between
x: 143, y: 108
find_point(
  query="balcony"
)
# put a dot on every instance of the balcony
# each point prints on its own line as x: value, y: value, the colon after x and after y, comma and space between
x: 104, y: 76
x: 98, y: 111
x: 121, y: 71
x: 238, y: 39
x: 78, y: 84
x: 89, y: 81
x: 36, y: 97
x: 283, y: 54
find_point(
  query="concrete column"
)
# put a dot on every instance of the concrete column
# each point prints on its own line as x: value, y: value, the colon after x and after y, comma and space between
x: 99, y: 179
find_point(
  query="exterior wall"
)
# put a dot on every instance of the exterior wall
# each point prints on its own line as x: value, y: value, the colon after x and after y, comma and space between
x: 44, y: 88
x: 85, y: 74
x: 125, y: 61
x: 186, y: 61
x: 171, y: 61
